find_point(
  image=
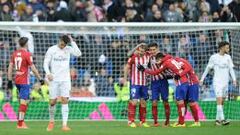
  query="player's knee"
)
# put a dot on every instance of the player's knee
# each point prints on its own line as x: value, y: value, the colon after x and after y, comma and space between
x: 23, y: 101
x: 154, y: 103
x: 52, y: 102
x: 165, y: 102
x: 64, y: 100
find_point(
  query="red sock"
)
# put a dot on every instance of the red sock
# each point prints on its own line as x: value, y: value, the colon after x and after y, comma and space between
x: 167, y: 112
x: 131, y: 112
x: 181, y: 111
x: 155, y: 114
x: 194, y: 112
x: 142, y: 113
x: 22, y: 108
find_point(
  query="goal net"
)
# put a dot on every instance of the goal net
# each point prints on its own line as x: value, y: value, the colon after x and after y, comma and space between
x: 97, y: 91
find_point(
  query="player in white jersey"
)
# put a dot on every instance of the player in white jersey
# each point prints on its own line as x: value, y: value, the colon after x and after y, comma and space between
x: 222, y: 65
x: 57, y: 68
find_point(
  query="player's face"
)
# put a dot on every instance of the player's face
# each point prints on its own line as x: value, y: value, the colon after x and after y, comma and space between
x: 141, y: 51
x: 61, y: 44
x: 153, y: 50
x: 226, y: 48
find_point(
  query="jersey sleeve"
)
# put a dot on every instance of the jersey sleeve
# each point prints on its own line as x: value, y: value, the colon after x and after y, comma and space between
x: 156, y: 72
x: 231, y: 69
x: 29, y: 59
x: 209, y: 66
x: 47, y: 60
x: 74, y: 50
x: 131, y: 60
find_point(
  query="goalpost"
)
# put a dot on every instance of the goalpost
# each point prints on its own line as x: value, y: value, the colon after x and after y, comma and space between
x: 95, y: 75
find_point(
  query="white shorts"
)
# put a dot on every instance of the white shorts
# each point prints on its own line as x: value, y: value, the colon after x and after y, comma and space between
x: 220, y: 90
x: 59, y: 88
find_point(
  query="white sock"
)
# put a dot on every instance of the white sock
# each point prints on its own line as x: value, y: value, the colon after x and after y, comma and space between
x: 65, y: 114
x: 220, y: 114
x: 52, y: 112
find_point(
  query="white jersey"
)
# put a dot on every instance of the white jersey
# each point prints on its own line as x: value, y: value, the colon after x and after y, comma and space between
x: 59, y: 61
x: 222, y: 66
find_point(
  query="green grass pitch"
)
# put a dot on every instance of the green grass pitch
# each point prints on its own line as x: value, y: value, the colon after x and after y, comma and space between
x: 117, y: 128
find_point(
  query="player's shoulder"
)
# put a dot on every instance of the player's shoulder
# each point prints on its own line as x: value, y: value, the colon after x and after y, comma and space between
x: 227, y: 55
x: 52, y: 48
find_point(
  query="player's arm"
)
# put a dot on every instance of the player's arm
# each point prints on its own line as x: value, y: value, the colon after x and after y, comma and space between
x: 34, y: 69
x: 128, y: 67
x: 156, y: 72
x: 209, y: 66
x: 74, y: 48
x: 232, y: 72
x: 46, y: 64
x: 35, y: 72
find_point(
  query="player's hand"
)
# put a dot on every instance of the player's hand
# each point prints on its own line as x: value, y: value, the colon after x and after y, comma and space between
x: 41, y: 82
x: 50, y: 77
x: 176, y: 77
x: 141, y: 68
x: 10, y: 84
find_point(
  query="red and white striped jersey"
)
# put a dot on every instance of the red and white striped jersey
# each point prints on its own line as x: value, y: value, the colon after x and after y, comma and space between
x: 154, y: 66
x: 137, y: 77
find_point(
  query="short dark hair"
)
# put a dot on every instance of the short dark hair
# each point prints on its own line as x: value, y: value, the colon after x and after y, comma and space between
x: 159, y: 55
x: 65, y: 39
x: 153, y: 44
x: 222, y: 44
x: 22, y: 41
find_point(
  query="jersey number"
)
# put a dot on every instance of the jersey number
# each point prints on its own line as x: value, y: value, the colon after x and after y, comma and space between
x: 18, y: 62
x: 176, y: 64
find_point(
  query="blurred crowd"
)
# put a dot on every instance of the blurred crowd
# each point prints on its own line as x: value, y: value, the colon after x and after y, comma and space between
x: 99, y: 71
x: 120, y: 10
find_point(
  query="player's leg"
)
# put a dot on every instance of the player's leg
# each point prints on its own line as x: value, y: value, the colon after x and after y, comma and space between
x: 134, y: 96
x: 225, y: 93
x: 24, y: 94
x: 65, y: 94
x: 164, y: 91
x: 219, y: 92
x: 143, y: 106
x: 155, y: 87
x: 181, y: 92
x: 193, y: 93
x: 53, y: 94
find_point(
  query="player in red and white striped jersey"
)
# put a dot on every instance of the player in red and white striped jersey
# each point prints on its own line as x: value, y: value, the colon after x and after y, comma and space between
x: 193, y: 90
x: 138, y: 82
x: 159, y: 86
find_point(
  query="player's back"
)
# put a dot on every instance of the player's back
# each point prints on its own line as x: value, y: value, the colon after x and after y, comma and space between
x: 21, y: 59
x: 192, y: 75
x: 175, y: 67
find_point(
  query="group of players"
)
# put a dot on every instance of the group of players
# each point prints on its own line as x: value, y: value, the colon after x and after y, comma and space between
x: 57, y: 69
x: 146, y: 60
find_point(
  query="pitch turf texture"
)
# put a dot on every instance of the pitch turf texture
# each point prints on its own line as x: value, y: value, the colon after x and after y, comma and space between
x: 117, y: 128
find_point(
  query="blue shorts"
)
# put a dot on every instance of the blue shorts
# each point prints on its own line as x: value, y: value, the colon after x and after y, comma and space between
x: 138, y: 92
x: 160, y: 87
x: 181, y: 91
x: 192, y: 94
x: 24, y: 91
